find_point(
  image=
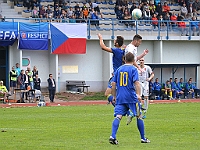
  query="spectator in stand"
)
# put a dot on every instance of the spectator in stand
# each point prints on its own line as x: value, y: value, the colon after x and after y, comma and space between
x: 49, y: 13
x: 190, y: 10
x: 189, y: 89
x: 157, y: 88
x: 65, y: 6
x: 27, y: 3
x: 76, y: 7
x: 147, y: 14
x: 166, y: 8
x: 167, y: 19
x: 34, y: 3
x: 161, y: 21
x: 34, y: 71
x: 184, y: 11
x: 154, y: 21
x: 70, y: 12
x: 78, y: 15
x: 196, y: 5
x: 95, y: 6
x: 56, y: 5
x: 85, y: 13
x: 84, y: 6
x: 173, y: 19
x: 159, y: 9
x: 194, y: 26
x: 181, y: 2
x: 182, y: 27
x: 119, y: 12
x: 72, y: 19
x: 127, y: 17
x: 42, y: 12
x: 57, y: 14
x: 133, y: 7
x: 94, y: 19
x: 63, y: 16
x: 152, y: 8
x: 35, y: 12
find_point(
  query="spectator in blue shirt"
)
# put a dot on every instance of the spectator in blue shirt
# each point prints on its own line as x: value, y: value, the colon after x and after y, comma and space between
x: 189, y: 89
x: 57, y: 14
x: 157, y: 88
x: 194, y: 26
x: 94, y: 19
x: 176, y: 92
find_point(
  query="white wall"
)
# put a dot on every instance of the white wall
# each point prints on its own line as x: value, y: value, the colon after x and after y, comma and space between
x: 40, y: 59
x: 95, y: 66
x: 181, y: 52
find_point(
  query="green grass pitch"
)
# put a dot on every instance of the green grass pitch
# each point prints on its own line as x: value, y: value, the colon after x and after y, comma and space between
x: 168, y: 126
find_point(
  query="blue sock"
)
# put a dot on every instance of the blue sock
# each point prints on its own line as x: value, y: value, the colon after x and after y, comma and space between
x: 115, y: 126
x: 140, y: 125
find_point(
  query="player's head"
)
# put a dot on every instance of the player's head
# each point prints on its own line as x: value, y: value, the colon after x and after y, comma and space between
x: 137, y: 40
x: 119, y: 41
x: 141, y: 61
x: 129, y: 57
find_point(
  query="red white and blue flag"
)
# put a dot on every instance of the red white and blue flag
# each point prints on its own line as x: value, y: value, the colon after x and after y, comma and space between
x: 68, y: 38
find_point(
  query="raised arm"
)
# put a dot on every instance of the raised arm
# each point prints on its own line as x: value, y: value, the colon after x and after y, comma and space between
x: 143, y: 54
x: 102, y: 45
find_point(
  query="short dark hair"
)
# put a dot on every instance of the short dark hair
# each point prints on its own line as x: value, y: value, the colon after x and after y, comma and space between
x: 137, y: 37
x: 50, y: 74
x: 120, y: 40
x: 129, y: 57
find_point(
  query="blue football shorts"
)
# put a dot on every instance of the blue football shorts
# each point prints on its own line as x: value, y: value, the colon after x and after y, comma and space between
x: 121, y: 109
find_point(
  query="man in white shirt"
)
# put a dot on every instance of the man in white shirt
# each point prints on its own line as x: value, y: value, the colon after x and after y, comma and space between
x: 132, y: 47
x: 145, y: 75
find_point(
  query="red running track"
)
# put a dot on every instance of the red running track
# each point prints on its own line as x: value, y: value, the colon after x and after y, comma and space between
x: 100, y: 102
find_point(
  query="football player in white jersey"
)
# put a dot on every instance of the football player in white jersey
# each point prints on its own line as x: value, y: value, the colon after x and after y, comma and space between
x: 132, y: 47
x: 145, y: 75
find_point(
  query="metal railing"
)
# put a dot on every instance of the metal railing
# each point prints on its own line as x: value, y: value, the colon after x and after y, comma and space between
x: 112, y: 26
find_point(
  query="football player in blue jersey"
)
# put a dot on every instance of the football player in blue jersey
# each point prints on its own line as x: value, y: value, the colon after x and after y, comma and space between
x: 117, y: 59
x: 127, y: 96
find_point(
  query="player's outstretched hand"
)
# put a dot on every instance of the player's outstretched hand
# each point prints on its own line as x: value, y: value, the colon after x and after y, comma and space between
x: 99, y: 35
x: 146, y: 51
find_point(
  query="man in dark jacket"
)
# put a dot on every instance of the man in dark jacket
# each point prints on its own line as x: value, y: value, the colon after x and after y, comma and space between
x: 51, y: 87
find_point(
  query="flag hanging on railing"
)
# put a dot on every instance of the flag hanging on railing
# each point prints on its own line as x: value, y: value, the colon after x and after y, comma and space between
x: 33, y: 36
x: 8, y: 33
x: 68, y: 38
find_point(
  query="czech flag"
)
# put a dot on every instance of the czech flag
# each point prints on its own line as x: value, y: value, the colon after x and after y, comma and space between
x: 68, y: 38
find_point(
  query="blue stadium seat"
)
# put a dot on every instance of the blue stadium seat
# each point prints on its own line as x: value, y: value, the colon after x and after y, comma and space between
x: 107, y: 29
x: 107, y: 23
x: 112, y: 13
x: 105, y: 13
x: 100, y: 29
x: 93, y: 29
x: 121, y: 29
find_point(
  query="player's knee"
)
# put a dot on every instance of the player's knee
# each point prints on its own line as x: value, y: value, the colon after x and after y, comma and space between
x: 119, y: 117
